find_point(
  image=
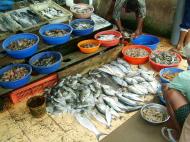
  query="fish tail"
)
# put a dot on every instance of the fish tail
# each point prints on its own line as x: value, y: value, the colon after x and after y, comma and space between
x: 99, y: 135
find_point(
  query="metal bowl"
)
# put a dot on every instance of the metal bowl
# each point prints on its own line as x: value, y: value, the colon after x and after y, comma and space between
x: 158, y: 107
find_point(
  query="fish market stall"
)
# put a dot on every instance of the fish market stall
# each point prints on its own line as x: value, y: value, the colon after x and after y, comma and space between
x: 87, y: 94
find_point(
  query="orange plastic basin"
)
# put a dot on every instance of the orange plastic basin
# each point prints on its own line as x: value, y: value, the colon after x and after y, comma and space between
x: 136, y: 60
x: 89, y: 50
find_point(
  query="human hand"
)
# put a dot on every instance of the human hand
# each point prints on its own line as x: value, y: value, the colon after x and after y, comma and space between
x: 136, y: 34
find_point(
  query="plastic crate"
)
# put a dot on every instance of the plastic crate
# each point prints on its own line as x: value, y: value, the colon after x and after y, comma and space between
x: 33, y: 88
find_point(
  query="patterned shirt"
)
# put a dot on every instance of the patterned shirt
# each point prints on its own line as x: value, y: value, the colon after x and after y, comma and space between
x: 137, y: 6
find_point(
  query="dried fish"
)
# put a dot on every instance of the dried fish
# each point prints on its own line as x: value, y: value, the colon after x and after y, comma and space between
x: 21, y: 44
x: 14, y: 74
x: 137, y: 52
x: 52, y: 12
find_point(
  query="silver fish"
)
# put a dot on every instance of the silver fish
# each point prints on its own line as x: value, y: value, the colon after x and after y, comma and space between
x: 120, y: 81
x: 139, y: 79
x: 114, y: 113
x: 121, y: 61
x: 155, y: 85
x: 128, y: 101
x: 141, y: 88
x: 114, y: 70
x: 105, y: 70
x: 132, y: 96
x: 120, y: 66
x: 134, y: 90
x: 131, y: 74
x: 89, y: 125
x: 101, y: 108
x: 100, y: 118
x: 147, y: 77
x: 148, y: 86
x: 132, y: 108
x: 108, y: 90
x: 111, y: 102
x: 130, y: 81
x: 108, y: 117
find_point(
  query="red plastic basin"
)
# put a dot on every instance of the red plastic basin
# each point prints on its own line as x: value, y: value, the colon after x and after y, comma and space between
x: 158, y: 67
x: 109, y: 43
x: 136, y: 60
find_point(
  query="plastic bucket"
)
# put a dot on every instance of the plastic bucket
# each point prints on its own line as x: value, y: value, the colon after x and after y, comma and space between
x: 37, y: 106
x: 147, y: 40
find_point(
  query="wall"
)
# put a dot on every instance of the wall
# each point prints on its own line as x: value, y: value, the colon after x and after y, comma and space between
x: 159, y: 18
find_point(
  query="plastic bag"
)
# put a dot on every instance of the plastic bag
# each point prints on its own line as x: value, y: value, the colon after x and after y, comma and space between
x: 182, y: 83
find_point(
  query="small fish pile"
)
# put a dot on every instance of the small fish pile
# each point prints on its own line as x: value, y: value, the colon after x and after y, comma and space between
x: 107, y: 37
x: 45, y: 61
x: 21, y: 44
x: 169, y: 75
x: 153, y: 115
x: 56, y: 33
x: 137, y: 52
x: 103, y: 94
x: 14, y: 74
x: 26, y: 18
x: 82, y: 9
x: 82, y: 26
x: 165, y: 58
x: 18, y: 20
x: 89, y: 45
x: 52, y: 12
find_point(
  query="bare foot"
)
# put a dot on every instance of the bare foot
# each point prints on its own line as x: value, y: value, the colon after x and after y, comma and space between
x: 180, y: 46
x: 136, y: 33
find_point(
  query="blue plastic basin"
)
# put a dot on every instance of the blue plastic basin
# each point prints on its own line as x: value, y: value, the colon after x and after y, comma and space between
x: 172, y: 70
x: 56, y: 40
x: 147, y: 40
x: 20, y: 54
x: 46, y: 69
x: 85, y: 31
x: 18, y: 83
x: 6, y: 4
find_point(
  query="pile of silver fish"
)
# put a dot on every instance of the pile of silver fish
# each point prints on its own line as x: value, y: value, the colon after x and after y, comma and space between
x: 107, y: 37
x: 136, y: 52
x: 165, y: 57
x: 52, y: 12
x: 103, y: 94
x: 82, y: 26
x: 17, y: 20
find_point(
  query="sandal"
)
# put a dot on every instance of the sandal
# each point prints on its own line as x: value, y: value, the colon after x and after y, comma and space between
x: 167, y: 134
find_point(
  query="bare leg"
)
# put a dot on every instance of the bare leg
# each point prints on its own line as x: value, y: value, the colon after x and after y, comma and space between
x: 110, y: 11
x: 174, y: 100
x: 139, y: 28
x: 119, y: 25
x: 181, y: 41
x: 187, y: 39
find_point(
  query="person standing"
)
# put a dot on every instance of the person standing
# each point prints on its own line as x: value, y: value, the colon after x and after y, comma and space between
x: 136, y: 6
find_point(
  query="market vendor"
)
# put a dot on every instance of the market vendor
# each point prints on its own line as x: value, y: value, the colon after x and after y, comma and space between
x: 136, y: 6
x: 177, y: 96
x: 185, y: 27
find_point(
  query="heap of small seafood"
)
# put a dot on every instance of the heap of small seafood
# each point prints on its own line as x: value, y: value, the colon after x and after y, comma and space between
x: 52, y: 12
x: 56, y: 33
x: 103, y: 93
x: 137, y: 52
x: 89, y: 45
x: 169, y: 75
x: 45, y: 61
x: 14, y: 74
x: 21, y: 44
x: 165, y: 58
x: 107, y: 37
x: 82, y: 26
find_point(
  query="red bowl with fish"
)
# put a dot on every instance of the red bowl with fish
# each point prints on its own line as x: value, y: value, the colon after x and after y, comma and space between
x: 158, y: 66
x: 111, y: 41
x: 136, y: 60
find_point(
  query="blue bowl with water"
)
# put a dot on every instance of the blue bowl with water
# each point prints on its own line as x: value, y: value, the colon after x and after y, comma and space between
x: 53, y: 39
x: 24, y: 53
x: 147, y: 40
x: 46, y: 69
x: 82, y: 32
x: 170, y: 70
x: 18, y: 83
